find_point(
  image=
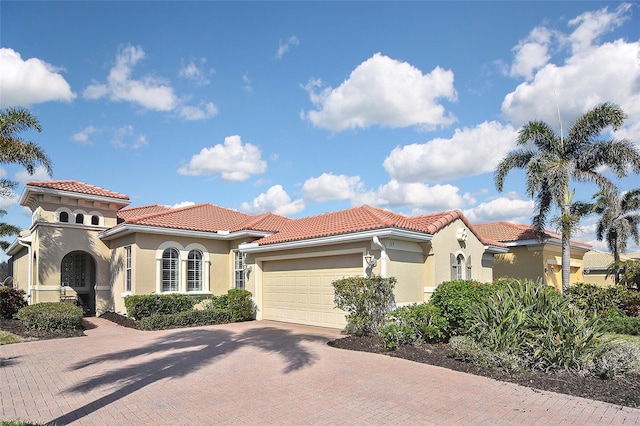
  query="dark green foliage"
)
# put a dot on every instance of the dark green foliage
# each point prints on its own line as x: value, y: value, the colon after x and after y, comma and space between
x: 220, y: 302
x: 190, y: 318
x: 413, y: 324
x: 240, y: 304
x: 51, y: 316
x: 622, y: 325
x: 366, y: 300
x: 593, y: 299
x: 455, y: 299
x: 537, y: 324
x: 11, y: 300
x: 139, y: 307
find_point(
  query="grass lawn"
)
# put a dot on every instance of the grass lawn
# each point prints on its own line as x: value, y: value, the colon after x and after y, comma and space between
x: 6, y: 338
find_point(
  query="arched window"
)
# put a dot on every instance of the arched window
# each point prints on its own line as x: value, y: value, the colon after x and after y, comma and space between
x: 170, y: 276
x: 64, y: 217
x: 194, y: 271
x: 95, y: 220
x: 80, y: 218
x: 460, y: 267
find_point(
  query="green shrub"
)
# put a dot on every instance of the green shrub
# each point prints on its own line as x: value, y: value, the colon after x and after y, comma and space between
x: 147, y: 305
x: 536, y: 323
x: 366, y: 300
x: 240, y: 304
x: 51, y: 316
x: 186, y: 319
x: 623, y: 325
x: 464, y: 348
x: 617, y: 360
x: 11, y: 300
x: 593, y: 299
x: 216, y: 302
x: 413, y: 324
x: 455, y: 300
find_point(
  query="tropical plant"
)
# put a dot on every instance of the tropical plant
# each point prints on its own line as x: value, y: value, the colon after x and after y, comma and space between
x: 628, y: 272
x: 5, y: 231
x: 15, y: 150
x: 366, y: 301
x: 619, y: 220
x: 551, y: 161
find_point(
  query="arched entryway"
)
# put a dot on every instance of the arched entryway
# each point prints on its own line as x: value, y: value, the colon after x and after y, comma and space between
x: 78, y: 271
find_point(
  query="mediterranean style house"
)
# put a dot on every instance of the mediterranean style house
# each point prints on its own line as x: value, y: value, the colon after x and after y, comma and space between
x: 532, y: 258
x: 84, y: 242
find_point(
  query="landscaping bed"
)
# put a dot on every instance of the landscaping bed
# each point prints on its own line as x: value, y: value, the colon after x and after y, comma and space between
x: 620, y: 391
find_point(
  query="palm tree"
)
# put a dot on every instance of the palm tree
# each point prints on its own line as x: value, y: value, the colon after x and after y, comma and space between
x: 619, y: 220
x: 551, y: 161
x: 15, y: 150
x: 6, y: 230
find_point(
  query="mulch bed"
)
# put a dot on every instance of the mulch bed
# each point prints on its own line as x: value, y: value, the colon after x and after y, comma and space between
x: 621, y: 391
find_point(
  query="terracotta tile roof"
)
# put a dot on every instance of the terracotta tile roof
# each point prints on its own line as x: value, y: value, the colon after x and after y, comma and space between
x: 358, y: 219
x: 78, y: 187
x: 132, y: 212
x: 512, y: 232
x: 209, y: 218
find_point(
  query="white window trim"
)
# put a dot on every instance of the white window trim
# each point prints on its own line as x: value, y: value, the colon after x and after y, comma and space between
x: 183, y: 257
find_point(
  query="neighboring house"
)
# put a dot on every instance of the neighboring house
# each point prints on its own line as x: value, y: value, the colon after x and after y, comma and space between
x: 596, y: 265
x: 85, y: 239
x: 530, y: 257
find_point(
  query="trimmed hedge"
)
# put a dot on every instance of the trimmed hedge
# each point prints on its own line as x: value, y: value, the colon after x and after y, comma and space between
x: 146, y: 305
x: 413, y: 324
x: 186, y: 319
x: 593, y: 299
x: 240, y: 304
x: 51, y: 316
x: 456, y: 300
x: 623, y: 325
x: 11, y: 301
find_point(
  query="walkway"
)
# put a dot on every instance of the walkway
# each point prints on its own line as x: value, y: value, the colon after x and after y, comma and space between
x: 259, y: 373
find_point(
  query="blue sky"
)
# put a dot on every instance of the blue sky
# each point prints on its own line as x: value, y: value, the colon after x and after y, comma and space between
x: 300, y: 108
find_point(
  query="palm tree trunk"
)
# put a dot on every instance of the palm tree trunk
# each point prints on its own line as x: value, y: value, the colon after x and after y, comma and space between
x: 566, y: 262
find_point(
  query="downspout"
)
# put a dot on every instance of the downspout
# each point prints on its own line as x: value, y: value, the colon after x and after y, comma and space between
x: 29, y: 269
x: 383, y: 256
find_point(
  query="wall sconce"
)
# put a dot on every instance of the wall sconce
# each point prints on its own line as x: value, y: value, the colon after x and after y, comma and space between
x: 549, y: 269
x: 247, y: 270
x: 370, y: 260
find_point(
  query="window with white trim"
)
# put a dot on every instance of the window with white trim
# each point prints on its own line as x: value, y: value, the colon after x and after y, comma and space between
x: 239, y: 270
x: 170, y: 275
x: 64, y: 217
x: 127, y: 269
x: 194, y: 271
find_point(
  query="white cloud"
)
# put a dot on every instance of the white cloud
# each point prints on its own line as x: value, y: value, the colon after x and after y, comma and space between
x: 531, y: 53
x: 417, y: 195
x: 275, y: 200
x: 182, y: 204
x: 284, y: 47
x: 386, y: 92
x: 125, y: 137
x: 31, y: 81
x: 196, y: 72
x: 83, y: 136
x: 204, y: 111
x: 585, y: 79
x: 234, y: 161
x: 502, y: 209
x: 247, y: 83
x: 591, y: 25
x: 149, y: 92
x: 39, y: 174
x: 471, y: 151
x: 328, y: 187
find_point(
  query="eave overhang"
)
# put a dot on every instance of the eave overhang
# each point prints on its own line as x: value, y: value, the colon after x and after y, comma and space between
x: 27, y: 197
x: 399, y: 234
x: 127, y: 229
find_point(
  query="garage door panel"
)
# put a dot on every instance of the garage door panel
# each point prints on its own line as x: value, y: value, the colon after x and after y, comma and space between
x: 294, y: 294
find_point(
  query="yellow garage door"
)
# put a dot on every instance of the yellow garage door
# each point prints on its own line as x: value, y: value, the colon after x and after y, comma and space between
x: 300, y: 290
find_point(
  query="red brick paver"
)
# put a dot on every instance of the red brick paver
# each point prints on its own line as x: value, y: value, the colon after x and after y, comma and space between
x: 259, y: 373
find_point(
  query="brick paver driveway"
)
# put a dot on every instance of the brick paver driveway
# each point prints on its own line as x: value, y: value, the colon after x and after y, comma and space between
x: 258, y: 373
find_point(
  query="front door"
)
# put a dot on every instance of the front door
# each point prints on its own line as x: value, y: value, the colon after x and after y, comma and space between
x: 78, y: 271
